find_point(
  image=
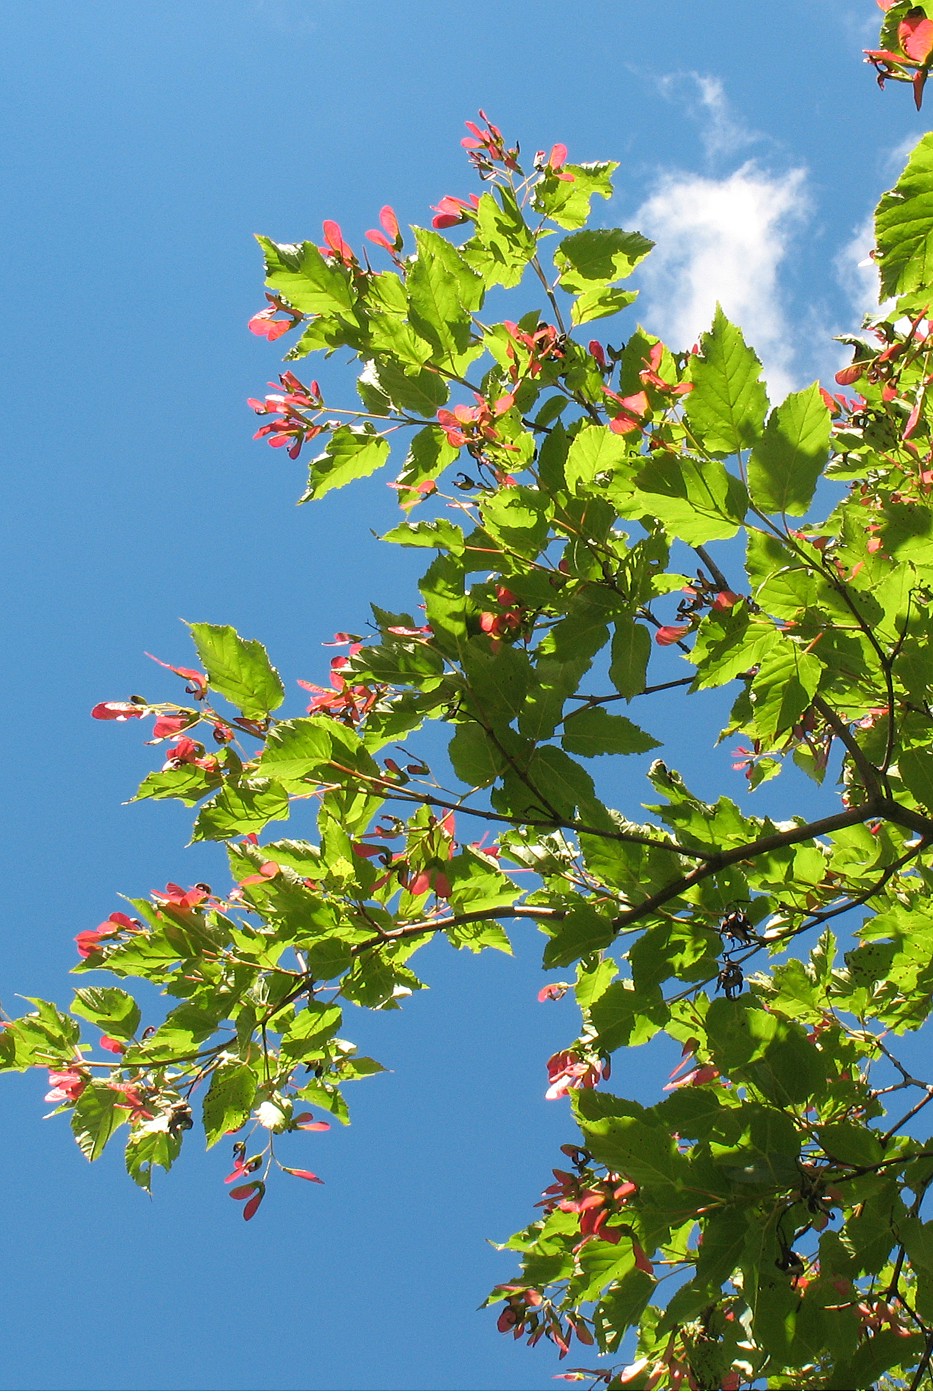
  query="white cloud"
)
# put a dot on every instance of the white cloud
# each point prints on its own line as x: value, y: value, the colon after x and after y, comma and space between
x: 705, y: 100
x: 855, y: 269
x: 898, y: 156
x: 861, y: 29
x: 723, y: 240
x: 856, y: 272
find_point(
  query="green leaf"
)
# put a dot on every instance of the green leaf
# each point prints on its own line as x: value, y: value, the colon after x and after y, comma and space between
x: 597, y: 302
x: 361, y: 1067
x: 874, y: 1356
x: 631, y: 648
x: 567, y: 200
x: 775, y: 1303
x: 309, y: 1030
x: 398, y: 355
x: 782, y: 689
x: 626, y: 1016
x: 188, y: 783
x: 304, y: 751
x: 917, y: 1236
x: 513, y: 517
x: 113, y: 1010
x: 761, y: 1148
x: 870, y: 962
x: 596, y: 257
x: 594, y: 975
x: 352, y: 453
x: 321, y: 333
x: 729, y: 643
x: 429, y: 452
x: 503, y: 244
x: 425, y: 534
x: 327, y: 1098
x: 482, y: 934
x: 305, y: 279
x: 904, y: 230
x: 623, y: 1305
x: 239, y: 670
x: 444, y: 604
x: 696, y: 501
x: 916, y: 769
x: 148, y: 1146
x: 183, y: 1032
x: 385, y: 291
x: 753, y: 1046
x: 851, y: 1144
x: 695, y: 1113
x: 583, y: 931
x: 602, y: 1263
x: 477, y: 761
x: 868, y: 1234
x: 786, y: 464
x: 630, y: 1146
x: 594, y: 457
x: 45, y: 1037
x: 678, y: 952
x: 560, y: 781
x: 726, y: 408
x: 95, y: 1118
x: 240, y: 808
x: 596, y: 731
x: 419, y: 390
x: 442, y: 290
x: 229, y: 1100
x: 498, y: 684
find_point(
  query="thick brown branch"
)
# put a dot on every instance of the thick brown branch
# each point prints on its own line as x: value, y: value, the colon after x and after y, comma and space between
x: 722, y: 860
x: 900, y: 815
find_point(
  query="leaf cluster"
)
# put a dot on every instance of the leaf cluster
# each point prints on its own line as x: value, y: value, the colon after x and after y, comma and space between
x: 609, y: 529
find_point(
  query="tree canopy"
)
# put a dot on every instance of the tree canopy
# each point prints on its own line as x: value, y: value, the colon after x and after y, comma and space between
x: 608, y: 528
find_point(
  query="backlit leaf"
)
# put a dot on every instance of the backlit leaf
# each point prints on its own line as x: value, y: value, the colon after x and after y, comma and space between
x: 237, y: 669
x: 727, y: 407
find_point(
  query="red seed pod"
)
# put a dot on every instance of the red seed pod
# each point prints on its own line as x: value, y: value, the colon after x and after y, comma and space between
x: 305, y: 1176
x: 251, y: 1207
x: 117, y: 709
x: 507, y: 1319
x: 584, y: 1334
x: 240, y: 1193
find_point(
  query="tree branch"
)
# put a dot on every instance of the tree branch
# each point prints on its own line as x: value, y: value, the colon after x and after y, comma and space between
x: 871, y: 779
x: 717, y: 574
x: 540, y: 913
x: 722, y: 860
x: 401, y: 793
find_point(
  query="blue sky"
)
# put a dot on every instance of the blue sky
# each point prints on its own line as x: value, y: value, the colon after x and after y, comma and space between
x: 143, y: 146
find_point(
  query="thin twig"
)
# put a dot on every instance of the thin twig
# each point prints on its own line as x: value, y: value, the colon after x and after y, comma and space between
x: 869, y: 775
x: 718, y: 576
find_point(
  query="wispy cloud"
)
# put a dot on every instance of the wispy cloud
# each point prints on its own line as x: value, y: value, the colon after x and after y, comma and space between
x: 724, y: 240
x: 855, y: 269
x: 856, y: 272
x: 859, y: 28
x: 705, y: 100
x: 299, y: 18
x: 898, y: 156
